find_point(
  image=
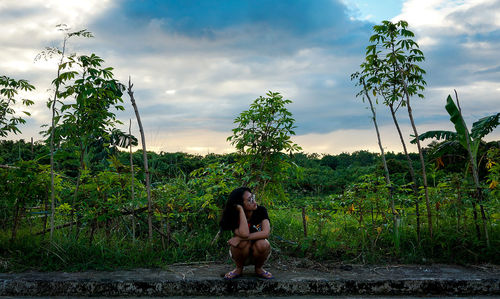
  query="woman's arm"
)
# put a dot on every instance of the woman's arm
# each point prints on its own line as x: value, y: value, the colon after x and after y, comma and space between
x: 263, y: 234
x: 242, y: 230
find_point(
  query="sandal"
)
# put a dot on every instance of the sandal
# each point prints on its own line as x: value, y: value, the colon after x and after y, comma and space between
x: 265, y: 275
x: 231, y: 275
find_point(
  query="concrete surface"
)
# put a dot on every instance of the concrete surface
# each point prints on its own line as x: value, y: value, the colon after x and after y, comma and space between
x: 272, y: 297
x: 206, y: 280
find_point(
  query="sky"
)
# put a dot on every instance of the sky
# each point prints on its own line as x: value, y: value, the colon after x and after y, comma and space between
x: 196, y: 65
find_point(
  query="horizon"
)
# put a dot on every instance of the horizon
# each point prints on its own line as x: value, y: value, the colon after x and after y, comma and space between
x: 320, y: 155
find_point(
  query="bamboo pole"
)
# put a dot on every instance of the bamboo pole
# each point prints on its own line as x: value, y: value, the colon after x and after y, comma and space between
x: 145, y: 157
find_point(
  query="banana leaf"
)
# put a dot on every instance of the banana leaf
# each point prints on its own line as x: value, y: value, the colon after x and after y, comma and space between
x: 485, y: 125
x: 446, y: 135
x: 458, y: 121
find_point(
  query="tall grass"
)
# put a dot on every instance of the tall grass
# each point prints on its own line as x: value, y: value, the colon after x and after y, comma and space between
x: 338, y: 237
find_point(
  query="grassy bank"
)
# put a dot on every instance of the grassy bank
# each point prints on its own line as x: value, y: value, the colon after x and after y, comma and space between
x: 331, y: 235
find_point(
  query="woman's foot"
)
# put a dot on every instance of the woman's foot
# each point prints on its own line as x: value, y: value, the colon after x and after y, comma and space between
x: 233, y: 274
x: 263, y: 274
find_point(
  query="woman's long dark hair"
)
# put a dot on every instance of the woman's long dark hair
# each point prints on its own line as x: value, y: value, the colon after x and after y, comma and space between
x: 230, y: 216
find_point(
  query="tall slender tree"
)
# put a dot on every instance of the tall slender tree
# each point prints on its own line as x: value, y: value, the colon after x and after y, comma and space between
x: 49, y: 52
x: 383, y: 80
x: 397, y: 56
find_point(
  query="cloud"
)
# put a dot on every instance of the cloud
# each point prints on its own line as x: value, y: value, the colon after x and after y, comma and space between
x: 27, y: 27
x: 350, y: 140
x: 218, y: 76
x: 460, y: 41
x: 196, y: 65
x: 495, y: 69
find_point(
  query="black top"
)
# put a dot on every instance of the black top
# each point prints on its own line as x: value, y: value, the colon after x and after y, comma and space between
x: 255, y: 222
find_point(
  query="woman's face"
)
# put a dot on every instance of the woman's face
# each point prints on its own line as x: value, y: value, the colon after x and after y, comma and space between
x: 249, y: 203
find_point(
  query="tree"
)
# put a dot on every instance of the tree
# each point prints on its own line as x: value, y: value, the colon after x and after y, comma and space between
x: 89, y: 91
x: 330, y: 161
x: 87, y: 118
x: 468, y: 140
x: 263, y: 137
x: 9, y: 88
x: 392, y: 62
x: 49, y: 52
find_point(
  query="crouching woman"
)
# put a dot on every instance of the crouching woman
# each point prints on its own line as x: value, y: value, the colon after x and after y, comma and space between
x: 251, y: 227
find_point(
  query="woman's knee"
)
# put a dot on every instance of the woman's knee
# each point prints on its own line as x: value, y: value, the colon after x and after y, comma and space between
x: 262, y: 245
x: 244, y: 245
x: 240, y: 251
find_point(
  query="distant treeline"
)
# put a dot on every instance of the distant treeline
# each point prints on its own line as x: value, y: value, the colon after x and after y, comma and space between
x: 319, y: 173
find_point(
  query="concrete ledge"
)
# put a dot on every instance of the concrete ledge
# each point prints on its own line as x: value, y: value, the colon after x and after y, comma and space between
x: 207, y: 280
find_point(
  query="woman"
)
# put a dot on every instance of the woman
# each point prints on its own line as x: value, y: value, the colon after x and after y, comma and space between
x: 251, y: 227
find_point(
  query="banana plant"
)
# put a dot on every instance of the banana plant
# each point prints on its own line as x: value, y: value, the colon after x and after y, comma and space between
x: 469, y: 140
x: 480, y: 128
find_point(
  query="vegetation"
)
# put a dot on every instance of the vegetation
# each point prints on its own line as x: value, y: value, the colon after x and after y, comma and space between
x: 9, y: 89
x: 391, y: 70
x: 263, y: 140
x: 351, y: 207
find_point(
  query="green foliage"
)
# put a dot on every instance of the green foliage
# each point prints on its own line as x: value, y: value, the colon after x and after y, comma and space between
x: 447, y: 135
x: 462, y: 135
x: 479, y: 129
x: 12, y: 151
x: 86, y: 91
x: 22, y: 186
x: 342, y: 200
x: 458, y: 121
x: 347, y: 212
x: 263, y: 137
x: 213, y: 183
x: 88, y: 117
x: 106, y: 195
x: 107, y: 253
x: 9, y: 89
x: 199, y: 200
x: 265, y: 128
x: 493, y: 177
x: 371, y: 193
x: 484, y: 126
x: 391, y: 66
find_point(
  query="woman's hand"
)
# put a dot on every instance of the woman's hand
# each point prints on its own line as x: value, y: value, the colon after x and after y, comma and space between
x: 234, y: 241
x: 239, y: 208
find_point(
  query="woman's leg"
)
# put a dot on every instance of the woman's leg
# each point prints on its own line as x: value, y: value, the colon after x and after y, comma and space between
x: 261, y: 250
x: 239, y: 254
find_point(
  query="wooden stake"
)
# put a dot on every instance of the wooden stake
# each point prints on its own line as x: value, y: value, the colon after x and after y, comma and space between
x: 145, y: 156
x: 304, y: 221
